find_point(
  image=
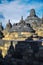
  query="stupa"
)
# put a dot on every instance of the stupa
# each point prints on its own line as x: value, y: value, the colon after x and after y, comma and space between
x: 20, y: 31
x: 21, y: 27
x: 1, y: 27
x: 42, y: 19
x: 8, y: 25
x: 33, y: 17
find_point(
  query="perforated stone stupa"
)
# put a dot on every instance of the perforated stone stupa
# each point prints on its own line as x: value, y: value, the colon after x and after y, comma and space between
x: 22, y: 27
x: 33, y: 17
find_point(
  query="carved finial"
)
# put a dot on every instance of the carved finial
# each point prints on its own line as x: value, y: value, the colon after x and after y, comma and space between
x: 9, y: 20
x: 8, y: 25
x: 21, y: 17
x: 42, y: 18
x: 1, y: 27
x: 32, y: 12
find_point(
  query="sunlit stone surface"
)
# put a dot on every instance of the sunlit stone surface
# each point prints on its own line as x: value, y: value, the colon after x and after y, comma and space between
x: 31, y: 27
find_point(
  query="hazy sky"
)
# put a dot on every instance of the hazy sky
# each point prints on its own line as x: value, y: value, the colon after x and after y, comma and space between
x: 14, y: 9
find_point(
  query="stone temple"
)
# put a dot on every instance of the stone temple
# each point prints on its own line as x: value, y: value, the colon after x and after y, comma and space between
x: 21, y: 27
x: 18, y: 31
x: 25, y: 28
x: 29, y: 29
x: 32, y: 18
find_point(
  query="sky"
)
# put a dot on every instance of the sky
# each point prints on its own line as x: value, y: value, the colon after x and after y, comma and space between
x: 14, y: 9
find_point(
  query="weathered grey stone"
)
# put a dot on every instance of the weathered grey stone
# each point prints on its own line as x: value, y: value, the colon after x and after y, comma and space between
x: 8, y: 26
